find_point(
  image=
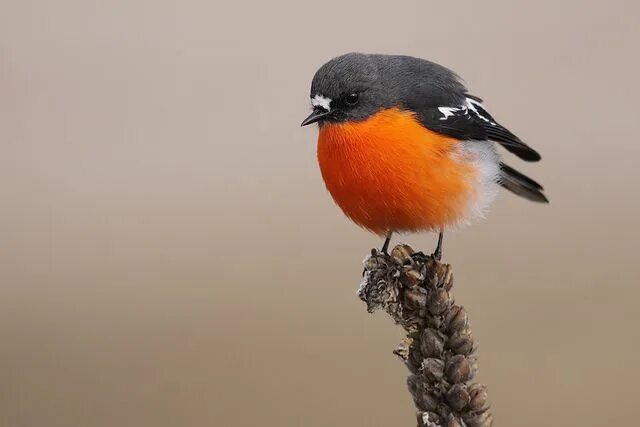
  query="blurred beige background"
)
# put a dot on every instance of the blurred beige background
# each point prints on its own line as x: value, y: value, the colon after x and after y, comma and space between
x: 170, y: 257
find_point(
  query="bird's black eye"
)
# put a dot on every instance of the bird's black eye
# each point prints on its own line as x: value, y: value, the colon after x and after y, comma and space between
x: 351, y: 99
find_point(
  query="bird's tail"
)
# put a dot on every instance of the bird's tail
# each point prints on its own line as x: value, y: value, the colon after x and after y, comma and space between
x: 521, y: 185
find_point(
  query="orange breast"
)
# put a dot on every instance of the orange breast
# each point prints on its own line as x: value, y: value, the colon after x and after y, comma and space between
x: 389, y: 173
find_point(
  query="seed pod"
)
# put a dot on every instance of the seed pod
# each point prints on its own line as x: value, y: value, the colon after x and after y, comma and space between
x: 401, y: 254
x: 415, y: 299
x: 458, y: 369
x: 413, y: 382
x: 458, y: 397
x: 456, y: 319
x: 478, y: 395
x: 453, y: 421
x: 426, y: 401
x: 438, y: 302
x: 433, y: 369
x: 444, y: 410
x: 479, y: 420
x: 411, y: 278
x: 461, y: 342
x: 431, y: 343
x: 422, y: 397
x: 374, y: 262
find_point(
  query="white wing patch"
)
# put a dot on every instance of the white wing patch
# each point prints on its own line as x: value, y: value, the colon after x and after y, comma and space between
x: 449, y: 111
x: 321, y: 101
x: 471, y: 105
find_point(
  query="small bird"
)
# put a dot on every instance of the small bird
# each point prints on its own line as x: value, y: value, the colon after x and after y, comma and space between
x: 403, y: 146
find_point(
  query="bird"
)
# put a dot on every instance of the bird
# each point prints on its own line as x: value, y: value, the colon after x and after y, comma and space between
x: 404, y: 147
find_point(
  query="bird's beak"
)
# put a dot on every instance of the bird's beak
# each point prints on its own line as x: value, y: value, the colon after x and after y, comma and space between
x: 317, y: 114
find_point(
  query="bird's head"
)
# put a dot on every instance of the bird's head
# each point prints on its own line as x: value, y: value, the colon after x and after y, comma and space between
x: 347, y: 88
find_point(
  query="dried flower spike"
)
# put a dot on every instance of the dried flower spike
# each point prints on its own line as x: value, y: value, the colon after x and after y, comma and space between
x: 415, y: 290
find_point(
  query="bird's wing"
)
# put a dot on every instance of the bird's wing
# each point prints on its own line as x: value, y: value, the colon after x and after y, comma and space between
x: 471, y: 121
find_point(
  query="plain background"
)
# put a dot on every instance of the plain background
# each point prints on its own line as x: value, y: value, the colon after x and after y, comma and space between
x: 169, y: 255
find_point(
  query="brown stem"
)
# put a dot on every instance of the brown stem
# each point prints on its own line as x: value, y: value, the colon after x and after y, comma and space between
x: 415, y: 290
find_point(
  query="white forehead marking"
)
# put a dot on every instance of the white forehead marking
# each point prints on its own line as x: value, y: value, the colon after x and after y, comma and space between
x: 321, y: 101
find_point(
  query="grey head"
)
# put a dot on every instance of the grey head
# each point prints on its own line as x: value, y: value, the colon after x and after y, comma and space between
x: 354, y: 86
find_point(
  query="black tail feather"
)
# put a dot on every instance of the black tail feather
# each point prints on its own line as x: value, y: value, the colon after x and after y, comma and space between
x: 521, y: 185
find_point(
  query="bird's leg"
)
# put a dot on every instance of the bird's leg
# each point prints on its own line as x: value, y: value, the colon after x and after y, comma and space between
x: 437, y: 255
x: 385, y: 246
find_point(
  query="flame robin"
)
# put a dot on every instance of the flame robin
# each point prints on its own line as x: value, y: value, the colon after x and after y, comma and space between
x: 403, y: 146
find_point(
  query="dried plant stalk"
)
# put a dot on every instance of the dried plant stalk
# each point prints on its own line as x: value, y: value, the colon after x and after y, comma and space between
x: 415, y: 290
